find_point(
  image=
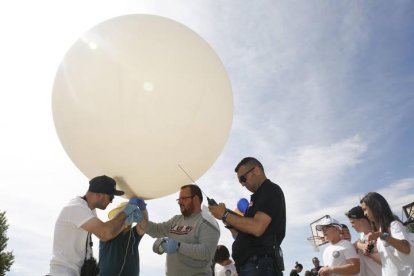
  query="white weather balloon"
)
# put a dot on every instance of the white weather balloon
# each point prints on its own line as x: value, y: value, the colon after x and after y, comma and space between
x: 137, y: 96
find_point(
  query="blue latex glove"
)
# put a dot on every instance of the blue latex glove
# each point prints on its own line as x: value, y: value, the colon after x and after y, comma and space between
x: 135, y: 216
x: 170, y: 245
x: 139, y: 202
x: 129, y: 209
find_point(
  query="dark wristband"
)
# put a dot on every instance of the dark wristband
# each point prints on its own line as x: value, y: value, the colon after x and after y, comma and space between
x: 224, y: 217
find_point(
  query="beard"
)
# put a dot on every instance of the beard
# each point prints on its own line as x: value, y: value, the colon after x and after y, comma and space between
x: 186, y: 211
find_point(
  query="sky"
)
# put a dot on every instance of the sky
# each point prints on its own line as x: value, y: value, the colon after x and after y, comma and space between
x: 323, y: 97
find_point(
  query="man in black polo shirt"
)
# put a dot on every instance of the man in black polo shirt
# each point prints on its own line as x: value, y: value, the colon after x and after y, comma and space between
x: 261, y: 231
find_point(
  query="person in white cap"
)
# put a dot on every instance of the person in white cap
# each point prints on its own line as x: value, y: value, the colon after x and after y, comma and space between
x: 340, y: 257
x: 72, y: 244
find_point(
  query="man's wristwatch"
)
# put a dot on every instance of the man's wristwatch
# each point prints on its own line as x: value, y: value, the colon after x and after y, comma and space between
x: 384, y: 235
x: 224, y: 217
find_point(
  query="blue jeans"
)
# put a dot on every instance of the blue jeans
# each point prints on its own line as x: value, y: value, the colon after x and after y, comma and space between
x: 259, y: 266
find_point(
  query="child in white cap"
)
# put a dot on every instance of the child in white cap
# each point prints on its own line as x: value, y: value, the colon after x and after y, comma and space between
x: 340, y: 257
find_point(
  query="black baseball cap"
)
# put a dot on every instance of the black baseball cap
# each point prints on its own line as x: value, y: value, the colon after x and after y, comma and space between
x: 104, y: 184
x: 356, y: 213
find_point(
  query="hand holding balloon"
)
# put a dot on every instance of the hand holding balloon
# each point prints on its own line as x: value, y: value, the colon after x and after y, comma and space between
x: 129, y: 209
x: 135, y: 216
x: 138, y: 202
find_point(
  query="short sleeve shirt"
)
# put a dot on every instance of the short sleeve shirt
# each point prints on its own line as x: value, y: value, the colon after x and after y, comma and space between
x: 337, y: 254
x: 396, y: 263
x: 69, y: 241
x: 227, y: 270
x: 269, y: 199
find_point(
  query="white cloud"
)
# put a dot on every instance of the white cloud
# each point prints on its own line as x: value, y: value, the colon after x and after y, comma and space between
x: 398, y: 194
x: 317, y: 171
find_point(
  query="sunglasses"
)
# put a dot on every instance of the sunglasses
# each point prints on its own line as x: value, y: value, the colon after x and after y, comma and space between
x: 242, y: 178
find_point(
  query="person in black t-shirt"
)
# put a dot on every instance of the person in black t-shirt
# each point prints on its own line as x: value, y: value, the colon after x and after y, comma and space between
x: 259, y: 233
x: 315, y: 270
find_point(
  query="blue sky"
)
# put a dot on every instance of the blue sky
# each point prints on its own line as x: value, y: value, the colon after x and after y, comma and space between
x: 323, y: 96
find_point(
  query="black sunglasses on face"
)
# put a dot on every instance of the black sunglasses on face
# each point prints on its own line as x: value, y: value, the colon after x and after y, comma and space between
x: 242, y: 178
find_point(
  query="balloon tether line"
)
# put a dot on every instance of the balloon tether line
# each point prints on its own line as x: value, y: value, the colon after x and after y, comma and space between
x: 210, y: 201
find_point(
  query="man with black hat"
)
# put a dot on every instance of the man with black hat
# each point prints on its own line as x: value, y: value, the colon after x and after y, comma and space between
x: 368, y: 254
x: 78, y: 219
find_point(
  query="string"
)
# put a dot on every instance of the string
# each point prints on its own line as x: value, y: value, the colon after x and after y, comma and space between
x: 126, y: 251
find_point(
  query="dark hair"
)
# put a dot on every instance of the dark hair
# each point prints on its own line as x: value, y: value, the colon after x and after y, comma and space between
x: 250, y: 162
x: 380, y: 209
x: 195, y: 190
x: 222, y: 254
x: 298, y: 265
x: 344, y: 226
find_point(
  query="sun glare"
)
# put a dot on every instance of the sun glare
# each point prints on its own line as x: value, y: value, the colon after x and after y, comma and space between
x: 148, y: 86
x: 93, y: 45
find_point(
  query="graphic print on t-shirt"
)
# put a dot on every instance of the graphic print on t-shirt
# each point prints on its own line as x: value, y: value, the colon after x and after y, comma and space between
x: 181, y: 229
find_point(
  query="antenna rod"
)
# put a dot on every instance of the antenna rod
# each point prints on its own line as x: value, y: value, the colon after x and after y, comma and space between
x: 192, y: 180
x: 209, y: 200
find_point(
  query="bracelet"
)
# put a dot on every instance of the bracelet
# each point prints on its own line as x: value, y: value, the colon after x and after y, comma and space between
x: 384, y: 235
x: 224, y: 217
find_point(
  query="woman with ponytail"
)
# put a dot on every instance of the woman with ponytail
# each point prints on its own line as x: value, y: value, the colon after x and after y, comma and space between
x: 298, y: 268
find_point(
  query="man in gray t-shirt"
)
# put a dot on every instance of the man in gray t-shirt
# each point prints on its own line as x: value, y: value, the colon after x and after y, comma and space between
x: 191, y: 238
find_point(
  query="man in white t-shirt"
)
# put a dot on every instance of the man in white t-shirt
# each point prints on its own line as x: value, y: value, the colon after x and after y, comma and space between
x: 340, y: 257
x: 368, y: 253
x: 78, y: 218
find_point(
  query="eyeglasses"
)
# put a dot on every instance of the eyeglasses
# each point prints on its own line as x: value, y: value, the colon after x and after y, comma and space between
x: 182, y: 198
x: 242, y: 178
